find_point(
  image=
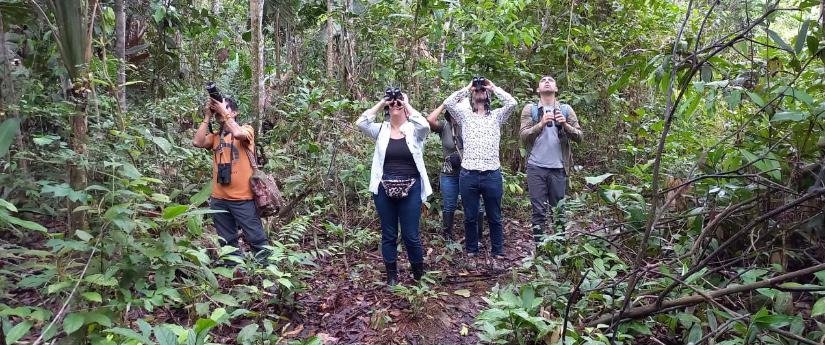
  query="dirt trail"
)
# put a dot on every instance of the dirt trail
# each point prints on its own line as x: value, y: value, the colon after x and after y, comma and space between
x: 354, y: 308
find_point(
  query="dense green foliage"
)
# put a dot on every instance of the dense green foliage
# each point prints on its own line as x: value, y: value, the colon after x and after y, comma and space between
x: 727, y: 98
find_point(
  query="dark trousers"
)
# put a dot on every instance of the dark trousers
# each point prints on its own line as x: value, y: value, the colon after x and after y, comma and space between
x: 475, y: 186
x: 407, y: 213
x: 449, y: 191
x: 546, y: 187
x: 237, y: 213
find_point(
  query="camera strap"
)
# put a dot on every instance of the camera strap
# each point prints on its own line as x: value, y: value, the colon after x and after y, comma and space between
x: 459, y: 144
x: 222, y: 145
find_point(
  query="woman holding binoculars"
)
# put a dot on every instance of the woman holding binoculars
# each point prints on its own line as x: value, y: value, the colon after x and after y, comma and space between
x: 398, y: 178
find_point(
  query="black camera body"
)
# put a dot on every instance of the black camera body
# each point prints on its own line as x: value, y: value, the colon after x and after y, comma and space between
x: 224, y: 173
x: 393, y: 94
x: 479, y: 82
x: 214, y: 92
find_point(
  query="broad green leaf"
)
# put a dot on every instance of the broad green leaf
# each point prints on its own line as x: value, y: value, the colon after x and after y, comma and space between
x: 706, y: 73
x: 19, y: 311
x: 247, y: 333
x: 776, y: 38
x: 801, y: 37
x: 83, y: 235
x: 8, y: 130
x: 172, y: 212
x: 756, y: 99
x: 203, y: 325
x: 22, y: 223
x: 92, y: 296
x: 7, y: 205
x: 463, y: 293
x: 44, y: 140
x: 200, y: 197
x: 130, y: 171
x: 818, y: 308
x: 100, y: 279
x: 97, y: 317
x: 226, y: 299
x: 594, y: 180
x: 164, y: 144
x: 130, y: 334
x: 165, y: 336
x: 160, y: 13
x: 218, y: 315
x: 794, y: 116
x: 18, y: 331
x: 73, y: 322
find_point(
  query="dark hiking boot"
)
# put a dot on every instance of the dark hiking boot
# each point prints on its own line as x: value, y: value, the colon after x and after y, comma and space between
x: 417, y: 270
x: 392, y: 273
x: 447, y: 220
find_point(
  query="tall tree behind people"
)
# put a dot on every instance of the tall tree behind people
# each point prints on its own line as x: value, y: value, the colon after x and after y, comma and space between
x: 120, y: 54
x: 72, y: 30
x: 256, y: 13
x: 330, y: 40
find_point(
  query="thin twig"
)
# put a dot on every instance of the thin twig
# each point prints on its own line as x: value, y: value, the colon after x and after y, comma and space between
x: 570, y: 300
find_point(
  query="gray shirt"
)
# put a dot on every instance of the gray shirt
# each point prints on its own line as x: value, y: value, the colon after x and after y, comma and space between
x: 547, y: 152
x: 448, y: 141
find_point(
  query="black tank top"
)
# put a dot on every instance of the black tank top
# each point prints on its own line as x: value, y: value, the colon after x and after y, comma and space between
x: 398, y: 160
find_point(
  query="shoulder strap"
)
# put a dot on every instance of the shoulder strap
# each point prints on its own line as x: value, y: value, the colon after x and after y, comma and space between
x: 534, y: 112
x: 456, y: 140
x: 253, y: 161
x: 565, y: 110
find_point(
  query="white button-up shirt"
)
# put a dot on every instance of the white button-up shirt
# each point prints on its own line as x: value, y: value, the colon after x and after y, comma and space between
x: 481, y: 133
x: 415, y: 132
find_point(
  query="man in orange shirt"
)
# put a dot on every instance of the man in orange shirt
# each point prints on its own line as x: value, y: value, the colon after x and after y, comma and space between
x: 231, y: 170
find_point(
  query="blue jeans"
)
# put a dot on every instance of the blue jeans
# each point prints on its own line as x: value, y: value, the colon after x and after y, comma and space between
x: 489, y: 186
x: 449, y: 192
x: 241, y: 213
x: 407, y: 212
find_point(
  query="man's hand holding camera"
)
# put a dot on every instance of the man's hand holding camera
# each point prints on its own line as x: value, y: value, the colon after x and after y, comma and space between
x: 221, y: 109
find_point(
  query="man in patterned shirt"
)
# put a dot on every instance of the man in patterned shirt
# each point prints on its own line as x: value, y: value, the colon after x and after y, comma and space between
x: 480, y: 176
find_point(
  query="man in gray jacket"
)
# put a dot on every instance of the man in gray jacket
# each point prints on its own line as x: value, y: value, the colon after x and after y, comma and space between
x: 546, y: 129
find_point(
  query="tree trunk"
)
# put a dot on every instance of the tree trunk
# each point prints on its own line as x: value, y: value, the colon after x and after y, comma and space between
x: 8, y: 96
x: 277, y: 31
x: 256, y: 12
x: 330, y: 41
x: 77, y: 170
x: 120, y: 53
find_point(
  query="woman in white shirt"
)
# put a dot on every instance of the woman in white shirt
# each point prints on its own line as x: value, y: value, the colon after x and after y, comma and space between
x: 398, y: 178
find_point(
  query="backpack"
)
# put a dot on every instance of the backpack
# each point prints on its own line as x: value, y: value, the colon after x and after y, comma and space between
x: 534, y: 111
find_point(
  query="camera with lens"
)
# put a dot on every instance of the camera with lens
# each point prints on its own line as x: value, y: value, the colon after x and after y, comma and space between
x: 213, y: 91
x: 393, y: 94
x: 479, y: 83
x: 224, y: 173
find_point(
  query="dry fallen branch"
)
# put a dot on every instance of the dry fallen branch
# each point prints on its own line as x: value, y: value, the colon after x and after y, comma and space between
x: 650, y: 309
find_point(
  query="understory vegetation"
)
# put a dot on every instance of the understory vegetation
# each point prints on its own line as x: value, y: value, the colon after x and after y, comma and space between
x: 695, y: 212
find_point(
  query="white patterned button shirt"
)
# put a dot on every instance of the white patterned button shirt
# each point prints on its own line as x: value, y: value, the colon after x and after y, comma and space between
x: 481, y: 133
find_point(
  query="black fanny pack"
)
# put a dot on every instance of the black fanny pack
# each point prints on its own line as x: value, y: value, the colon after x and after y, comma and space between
x: 398, y: 188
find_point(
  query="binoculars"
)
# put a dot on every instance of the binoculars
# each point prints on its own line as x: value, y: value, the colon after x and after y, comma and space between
x: 393, y: 94
x: 479, y: 83
x: 214, y: 92
x: 553, y: 111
